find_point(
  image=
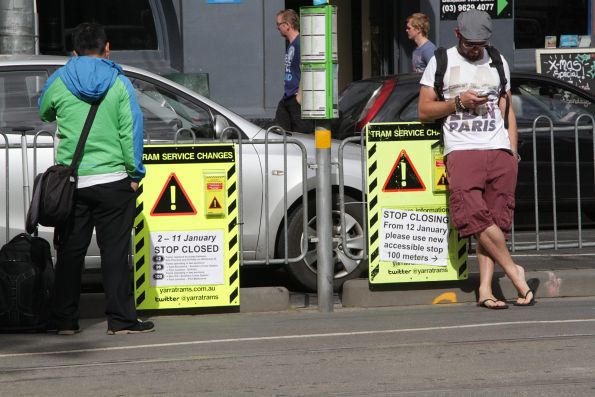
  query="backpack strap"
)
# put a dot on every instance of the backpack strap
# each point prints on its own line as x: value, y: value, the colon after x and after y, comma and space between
x: 441, y: 64
x: 497, y: 63
x: 78, y: 153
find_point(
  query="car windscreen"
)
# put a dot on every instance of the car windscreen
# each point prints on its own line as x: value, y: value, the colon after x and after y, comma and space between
x: 352, y: 101
x: 401, y: 105
x: 534, y: 98
x: 355, y: 95
x: 169, y: 116
x: 19, y: 93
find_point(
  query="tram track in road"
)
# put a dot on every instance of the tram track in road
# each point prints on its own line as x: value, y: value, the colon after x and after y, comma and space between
x: 283, y: 352
x: 492, y: 389
x: 401, y: 379
x: 324, y: 335
x: 457, y: 350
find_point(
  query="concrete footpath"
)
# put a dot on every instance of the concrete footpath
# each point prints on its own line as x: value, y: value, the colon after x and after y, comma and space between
x: 565, y: 273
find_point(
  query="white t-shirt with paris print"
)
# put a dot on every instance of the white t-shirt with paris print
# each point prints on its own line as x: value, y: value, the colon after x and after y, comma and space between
x: 473, y: 129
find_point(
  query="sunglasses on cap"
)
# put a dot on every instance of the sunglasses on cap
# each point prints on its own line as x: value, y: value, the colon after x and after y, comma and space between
x: 473, y: 44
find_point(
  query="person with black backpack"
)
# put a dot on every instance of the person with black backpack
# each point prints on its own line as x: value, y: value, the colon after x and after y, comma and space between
x: 467, y: 88
x: 107, y: 177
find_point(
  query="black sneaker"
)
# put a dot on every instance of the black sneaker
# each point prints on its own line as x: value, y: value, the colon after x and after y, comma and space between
x: 140, y: 327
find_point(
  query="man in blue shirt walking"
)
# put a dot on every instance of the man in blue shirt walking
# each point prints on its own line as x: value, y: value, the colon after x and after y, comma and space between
x: 288, y: 115
x: 418, y: 27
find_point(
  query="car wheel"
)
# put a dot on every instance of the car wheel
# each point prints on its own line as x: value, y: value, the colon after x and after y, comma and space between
x: 345, y: 268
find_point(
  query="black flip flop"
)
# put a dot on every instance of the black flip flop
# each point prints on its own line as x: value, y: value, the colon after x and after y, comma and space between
x: 495, y: 307
x: 533, y: 284
x: 530, y: 303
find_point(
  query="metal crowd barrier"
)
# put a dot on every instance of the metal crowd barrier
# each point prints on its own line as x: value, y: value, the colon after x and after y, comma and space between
x: 514, y: 244
x: 285, y: 141
x: 231, y: 134
x: 364, y: 209
x: 226, y: 136
x: 6, y: 186
x: 6, y: 145
x: 551, y: 129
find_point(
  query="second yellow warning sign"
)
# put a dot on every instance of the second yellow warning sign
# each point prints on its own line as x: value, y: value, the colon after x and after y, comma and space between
x: 214, y: 193
x: 410, y: 235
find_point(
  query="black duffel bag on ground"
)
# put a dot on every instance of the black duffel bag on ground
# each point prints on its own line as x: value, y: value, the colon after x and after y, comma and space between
x: 53, y: 190
x: 26, y: 278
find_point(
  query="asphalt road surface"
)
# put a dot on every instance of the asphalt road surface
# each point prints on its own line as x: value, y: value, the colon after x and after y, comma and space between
x: 440, y: 350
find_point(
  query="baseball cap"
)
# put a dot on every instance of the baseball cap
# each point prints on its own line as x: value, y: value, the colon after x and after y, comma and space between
x: 475, y: 25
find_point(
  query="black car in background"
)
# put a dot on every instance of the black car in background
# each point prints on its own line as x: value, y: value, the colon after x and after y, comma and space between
x: 395, y: 98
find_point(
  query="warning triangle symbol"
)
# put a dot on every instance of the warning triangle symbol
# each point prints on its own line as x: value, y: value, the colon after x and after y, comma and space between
x: 443, y: 181
x: 215, y: 204
x: 403, y: 177
x: 173, y: 199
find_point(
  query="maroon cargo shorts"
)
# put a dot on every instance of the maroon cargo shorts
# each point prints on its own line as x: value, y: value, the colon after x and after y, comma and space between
x: 482, y: 185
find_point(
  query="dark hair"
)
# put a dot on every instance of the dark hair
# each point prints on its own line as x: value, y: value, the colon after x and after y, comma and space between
x: 89, y: 39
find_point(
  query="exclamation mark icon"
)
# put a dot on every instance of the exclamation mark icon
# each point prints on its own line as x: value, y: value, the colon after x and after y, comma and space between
x: 443, y: 180
x: 403, y: 167
x: 172, y: 195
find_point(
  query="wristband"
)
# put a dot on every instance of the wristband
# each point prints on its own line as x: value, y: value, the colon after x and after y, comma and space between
x: 461, y: 103
x: 459, y: 107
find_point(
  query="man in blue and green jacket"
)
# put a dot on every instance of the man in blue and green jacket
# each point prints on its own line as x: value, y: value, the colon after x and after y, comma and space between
x: 108, y: 176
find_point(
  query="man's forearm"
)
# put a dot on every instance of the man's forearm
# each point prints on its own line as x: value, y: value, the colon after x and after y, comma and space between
x: 513, y: 137
x: 435, y: 110
x: 512, y: 125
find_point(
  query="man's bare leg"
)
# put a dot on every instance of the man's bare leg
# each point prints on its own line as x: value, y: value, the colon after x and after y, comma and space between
x: 486, y: 274
x: 494, y: 244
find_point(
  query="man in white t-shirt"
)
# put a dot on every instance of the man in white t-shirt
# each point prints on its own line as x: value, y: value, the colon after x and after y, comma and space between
x: 481, y: 153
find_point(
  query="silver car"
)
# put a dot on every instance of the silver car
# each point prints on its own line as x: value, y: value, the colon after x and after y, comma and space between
x: 173, y: 113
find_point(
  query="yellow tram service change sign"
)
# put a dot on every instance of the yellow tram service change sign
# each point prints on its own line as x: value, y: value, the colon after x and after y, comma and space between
x: 186, y: 240
x: 410, y: 238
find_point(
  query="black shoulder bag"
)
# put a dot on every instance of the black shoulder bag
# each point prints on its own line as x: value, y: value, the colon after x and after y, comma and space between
x: 53, y: 190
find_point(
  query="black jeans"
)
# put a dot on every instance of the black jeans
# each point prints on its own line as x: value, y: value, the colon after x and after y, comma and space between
x: 109, y: 208
x: 289, y: 116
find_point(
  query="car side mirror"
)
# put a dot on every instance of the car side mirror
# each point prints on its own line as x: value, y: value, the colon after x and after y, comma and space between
x: 221, y: 124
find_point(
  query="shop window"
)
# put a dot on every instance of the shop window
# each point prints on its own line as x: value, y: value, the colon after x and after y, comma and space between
x: 535, y: 19
x: 129, y: 24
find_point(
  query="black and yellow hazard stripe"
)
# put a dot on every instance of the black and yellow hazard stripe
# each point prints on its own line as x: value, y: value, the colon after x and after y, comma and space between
x: 233, y: 251
x: 140, y: 250
x: 461, y: 258
x: 373, y: 211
